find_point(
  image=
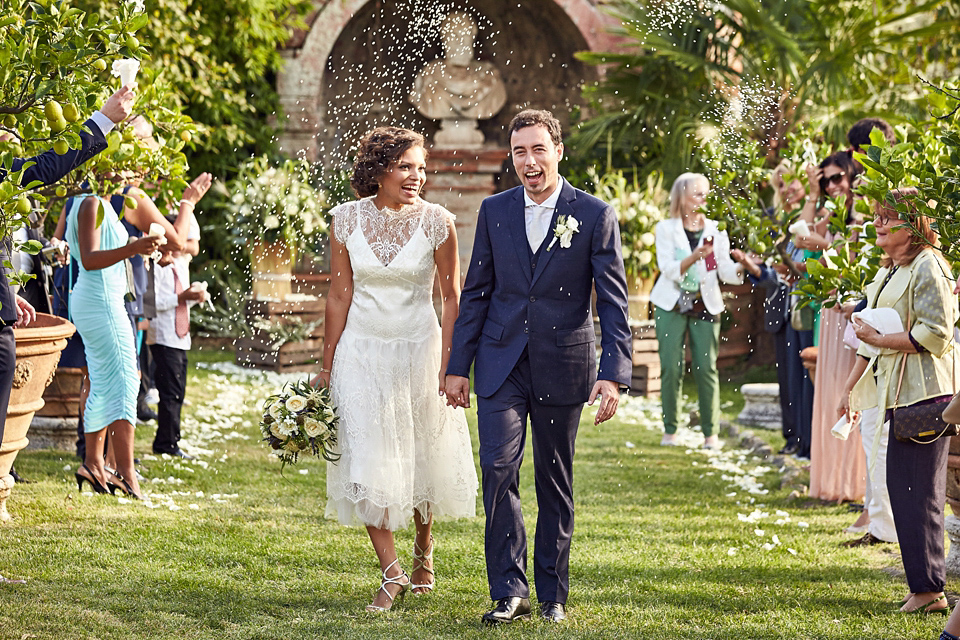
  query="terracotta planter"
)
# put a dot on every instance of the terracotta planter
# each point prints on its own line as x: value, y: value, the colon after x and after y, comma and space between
x: 271, y: 265
x: 38, y: 352
x: 55, y: 424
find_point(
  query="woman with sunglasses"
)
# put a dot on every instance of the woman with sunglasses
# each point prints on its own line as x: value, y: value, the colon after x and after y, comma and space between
x: 917, y: 365
x: 837, y: 467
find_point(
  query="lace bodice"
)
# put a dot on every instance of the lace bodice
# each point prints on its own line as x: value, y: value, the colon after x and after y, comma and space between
x: 387, y: 231
x: 391, y: 254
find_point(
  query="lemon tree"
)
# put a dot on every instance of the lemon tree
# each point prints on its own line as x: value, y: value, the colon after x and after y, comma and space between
x: 54, y: 71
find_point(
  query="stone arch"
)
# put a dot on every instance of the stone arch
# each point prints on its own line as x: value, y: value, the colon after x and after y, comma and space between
x: 538, y: 37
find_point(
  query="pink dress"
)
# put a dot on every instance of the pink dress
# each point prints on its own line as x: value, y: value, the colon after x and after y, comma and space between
x: 838, y: 468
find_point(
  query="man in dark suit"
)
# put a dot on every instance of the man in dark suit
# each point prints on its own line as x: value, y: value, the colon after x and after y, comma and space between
x: 526, y: 323
x: 47, y: 168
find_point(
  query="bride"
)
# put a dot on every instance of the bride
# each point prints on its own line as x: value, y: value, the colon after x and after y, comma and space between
x: 404, y: 452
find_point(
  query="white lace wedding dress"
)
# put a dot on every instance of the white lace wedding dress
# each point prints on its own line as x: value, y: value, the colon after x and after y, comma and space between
x: 402, y: 447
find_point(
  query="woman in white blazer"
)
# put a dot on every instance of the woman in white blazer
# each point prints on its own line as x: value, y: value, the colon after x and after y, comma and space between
x: 693, y: 256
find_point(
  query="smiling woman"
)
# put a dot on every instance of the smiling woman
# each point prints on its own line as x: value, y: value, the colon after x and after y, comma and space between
x: 403, y: 452
x: 908, y: 369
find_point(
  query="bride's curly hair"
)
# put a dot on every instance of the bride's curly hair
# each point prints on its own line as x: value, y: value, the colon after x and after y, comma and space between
x: 378, y: 150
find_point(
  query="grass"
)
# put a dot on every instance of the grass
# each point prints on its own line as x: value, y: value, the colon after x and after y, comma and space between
x: 255, y: 558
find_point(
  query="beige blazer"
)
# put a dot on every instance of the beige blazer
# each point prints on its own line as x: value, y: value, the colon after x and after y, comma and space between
x: 926, y: 286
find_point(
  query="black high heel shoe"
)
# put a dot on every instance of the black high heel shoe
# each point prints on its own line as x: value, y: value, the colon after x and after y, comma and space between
x: 124, y: 487
x: 94, y: 483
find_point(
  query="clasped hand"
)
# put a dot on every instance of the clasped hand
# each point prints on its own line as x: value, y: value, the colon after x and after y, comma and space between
x: 866, y: 333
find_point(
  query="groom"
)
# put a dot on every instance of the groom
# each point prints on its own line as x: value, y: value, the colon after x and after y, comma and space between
x: 526, y: 321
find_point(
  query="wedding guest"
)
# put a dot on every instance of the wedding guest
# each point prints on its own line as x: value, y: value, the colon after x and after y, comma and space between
x: 404, y: 452
x: 96, y: 308
x: 47, y: 168
x: 796, y: 388
x: 693, y: 256
x: 859, y: 134
x: 168, y: 337
x: 837, y: 467
x: 913, y: 367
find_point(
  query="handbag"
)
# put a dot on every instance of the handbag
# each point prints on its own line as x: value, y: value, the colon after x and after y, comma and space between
x: 921, y: 422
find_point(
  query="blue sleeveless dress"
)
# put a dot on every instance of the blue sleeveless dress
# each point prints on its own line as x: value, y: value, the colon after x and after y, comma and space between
x: 96, y: 308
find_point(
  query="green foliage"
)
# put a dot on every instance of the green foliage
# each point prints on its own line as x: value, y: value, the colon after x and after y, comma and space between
x: 927, y: 159
x: 221, y: 57
x: 737, y: 173
x: 639, y: 208
x: 846, y: 267
x: 53, y: 60
x: 784, y: 61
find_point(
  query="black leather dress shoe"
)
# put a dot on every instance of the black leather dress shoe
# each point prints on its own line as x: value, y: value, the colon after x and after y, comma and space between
x: 508, y: 610
x: 553, y: 611
x: 790, y: 449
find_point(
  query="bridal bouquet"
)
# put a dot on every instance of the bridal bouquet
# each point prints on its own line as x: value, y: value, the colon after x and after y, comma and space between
x: 299, y: 419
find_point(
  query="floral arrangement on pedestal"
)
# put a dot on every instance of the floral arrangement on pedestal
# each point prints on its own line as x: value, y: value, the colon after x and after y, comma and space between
x: 639, y: 208
x: 276, y: 203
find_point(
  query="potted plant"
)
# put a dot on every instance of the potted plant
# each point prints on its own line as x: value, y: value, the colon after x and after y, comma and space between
x: 274, y: 212
x: 639, y: 208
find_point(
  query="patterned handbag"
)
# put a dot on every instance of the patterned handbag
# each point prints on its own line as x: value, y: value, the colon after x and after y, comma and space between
x: 922, y: 423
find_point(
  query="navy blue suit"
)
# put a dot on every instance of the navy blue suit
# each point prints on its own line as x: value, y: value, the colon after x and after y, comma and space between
x: 526, y: 324
x: 48, y: 167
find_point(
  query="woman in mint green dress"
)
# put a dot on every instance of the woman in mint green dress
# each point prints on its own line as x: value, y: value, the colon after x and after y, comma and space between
x: 96, y: 308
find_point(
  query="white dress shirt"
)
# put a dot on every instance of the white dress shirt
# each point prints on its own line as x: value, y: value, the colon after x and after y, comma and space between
x: 163, y: 328
x: 537, y: 216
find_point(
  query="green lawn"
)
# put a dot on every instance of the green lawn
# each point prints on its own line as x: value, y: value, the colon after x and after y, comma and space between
x: 669, y: 544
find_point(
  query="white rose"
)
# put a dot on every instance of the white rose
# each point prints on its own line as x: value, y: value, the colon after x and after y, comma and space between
x: 311, y: 428
x: 276, y: 430
x: 271, y: 222
x: 644, y: 258
x: 565, y: 239
x: 572, y: 225
x: 296, y: 404
x: 274, y: 410
x: 647, y: 238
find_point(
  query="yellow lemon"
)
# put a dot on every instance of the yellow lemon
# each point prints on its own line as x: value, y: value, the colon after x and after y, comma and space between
x: 53, y: 110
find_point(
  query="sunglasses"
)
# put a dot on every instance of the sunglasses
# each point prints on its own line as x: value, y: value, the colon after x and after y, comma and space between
x: 836, y: 178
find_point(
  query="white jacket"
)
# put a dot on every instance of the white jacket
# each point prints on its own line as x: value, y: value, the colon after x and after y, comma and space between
x: 670, y: 237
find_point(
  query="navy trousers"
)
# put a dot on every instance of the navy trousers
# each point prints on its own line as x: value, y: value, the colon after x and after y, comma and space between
x: 801, y: 388
x: 917, y: 483
x: 502, y: 430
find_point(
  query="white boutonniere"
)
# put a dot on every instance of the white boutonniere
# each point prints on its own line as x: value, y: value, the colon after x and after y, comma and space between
x: 566, y: 227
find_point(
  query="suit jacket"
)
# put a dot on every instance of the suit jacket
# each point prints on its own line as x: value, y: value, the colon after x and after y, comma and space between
x: 48, y: 167
x: 670, y: 237
x: 507, y: 306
